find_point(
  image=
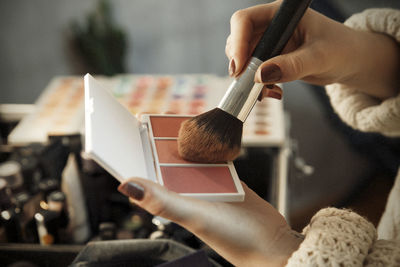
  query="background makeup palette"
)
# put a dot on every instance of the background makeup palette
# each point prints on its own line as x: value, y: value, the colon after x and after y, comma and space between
x: 59, y: 109
x: 127, y: 147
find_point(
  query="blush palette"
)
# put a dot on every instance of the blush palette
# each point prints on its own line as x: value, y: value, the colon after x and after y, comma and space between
x: 127, y: 147
x: 184, y: 176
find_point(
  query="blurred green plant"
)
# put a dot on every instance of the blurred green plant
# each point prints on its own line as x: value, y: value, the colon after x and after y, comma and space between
x: 99, y: 43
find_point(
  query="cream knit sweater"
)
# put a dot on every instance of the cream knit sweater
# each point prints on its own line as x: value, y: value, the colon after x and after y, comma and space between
x: 337, y: 237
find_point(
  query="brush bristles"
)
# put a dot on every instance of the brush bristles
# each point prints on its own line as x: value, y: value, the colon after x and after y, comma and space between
x: 214, y: 136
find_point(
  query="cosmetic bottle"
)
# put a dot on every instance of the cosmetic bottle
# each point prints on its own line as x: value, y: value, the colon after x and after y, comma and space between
x: 56, y: 202
x: 45, y: 237
x: 52, y: 220
x: 78, y: 226
x: 29, y: 204
x: 10, y: 171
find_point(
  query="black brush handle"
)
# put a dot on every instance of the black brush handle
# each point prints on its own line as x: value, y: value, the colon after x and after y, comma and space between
x: 280, y: 28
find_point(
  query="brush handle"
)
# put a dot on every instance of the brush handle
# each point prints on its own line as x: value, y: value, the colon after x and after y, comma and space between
x: 280, y: 29
x: 242, y: 94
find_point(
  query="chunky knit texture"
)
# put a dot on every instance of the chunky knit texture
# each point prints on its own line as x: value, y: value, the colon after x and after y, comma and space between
x: 357, y: 109
x: 385, y: 253
x: 337, y: 237
x: 389, y: 225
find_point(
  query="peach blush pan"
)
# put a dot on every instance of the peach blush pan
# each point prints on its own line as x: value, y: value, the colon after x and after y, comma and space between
x: 166, y: 126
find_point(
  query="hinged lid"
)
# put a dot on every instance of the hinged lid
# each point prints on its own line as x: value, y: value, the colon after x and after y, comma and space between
x: 112, y: 135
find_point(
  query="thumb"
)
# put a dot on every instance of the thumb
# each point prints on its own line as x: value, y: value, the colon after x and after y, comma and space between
x: 287, y: 67
x: 159, y: 201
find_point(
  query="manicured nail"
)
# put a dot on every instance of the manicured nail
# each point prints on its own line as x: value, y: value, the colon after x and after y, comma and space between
x: 132, y: 190
x: 232, y: 67
x: 271, y: 73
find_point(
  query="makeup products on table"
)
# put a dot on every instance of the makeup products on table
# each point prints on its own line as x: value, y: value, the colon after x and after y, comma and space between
x: 127, y: 147
x: 59, y: 109
x: 265, y: 126
x: 179, y: 94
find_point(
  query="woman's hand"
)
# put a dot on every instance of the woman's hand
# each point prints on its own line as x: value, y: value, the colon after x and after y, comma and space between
x: 249, y: 233
x: 321, y: 51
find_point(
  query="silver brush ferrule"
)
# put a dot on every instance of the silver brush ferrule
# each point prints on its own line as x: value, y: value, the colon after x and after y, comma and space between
x: 243, y: 93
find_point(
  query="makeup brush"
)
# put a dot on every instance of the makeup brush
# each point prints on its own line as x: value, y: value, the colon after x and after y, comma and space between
x: 215, y: 136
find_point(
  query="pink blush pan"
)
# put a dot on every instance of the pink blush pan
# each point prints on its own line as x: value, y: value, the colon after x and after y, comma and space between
x: 166, y: 126
x: 198, y: 179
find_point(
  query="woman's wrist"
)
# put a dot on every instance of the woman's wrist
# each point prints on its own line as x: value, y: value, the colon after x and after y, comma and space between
x: 282, y: 248
x: 290, y: 243
x: 372, y: 64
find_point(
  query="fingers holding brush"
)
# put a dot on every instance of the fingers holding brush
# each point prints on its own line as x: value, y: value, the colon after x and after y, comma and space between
x: 247, y: 27
x: 317, y: 52
x: 300, y: 64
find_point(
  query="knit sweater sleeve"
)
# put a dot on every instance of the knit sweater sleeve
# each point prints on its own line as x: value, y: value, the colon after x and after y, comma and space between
x: 357, y: 109
x: 337, y: 237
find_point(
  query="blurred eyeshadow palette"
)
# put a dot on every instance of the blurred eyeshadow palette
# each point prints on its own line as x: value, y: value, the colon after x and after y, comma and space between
x: 60, y: 108
x: 127, y: 147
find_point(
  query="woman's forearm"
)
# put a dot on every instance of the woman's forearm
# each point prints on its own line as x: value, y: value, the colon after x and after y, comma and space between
x: 374, y: 65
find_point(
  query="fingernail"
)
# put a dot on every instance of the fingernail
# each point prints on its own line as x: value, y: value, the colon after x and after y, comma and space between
x: 274, y: 95
x: 132, y: 190
x: 232, y: 67
x: 271, y: 73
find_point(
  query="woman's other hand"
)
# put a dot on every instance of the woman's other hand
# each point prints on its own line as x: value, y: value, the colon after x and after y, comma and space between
x: 248, y: 233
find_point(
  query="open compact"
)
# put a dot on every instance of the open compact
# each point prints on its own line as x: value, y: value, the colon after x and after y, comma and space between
x: 127, y: 147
